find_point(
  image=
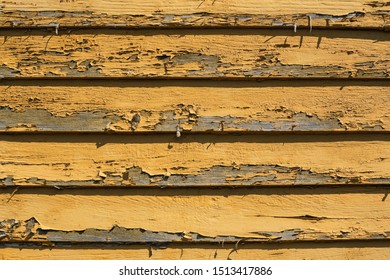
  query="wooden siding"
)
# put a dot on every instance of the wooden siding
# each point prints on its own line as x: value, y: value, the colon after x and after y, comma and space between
x: 194, y: 129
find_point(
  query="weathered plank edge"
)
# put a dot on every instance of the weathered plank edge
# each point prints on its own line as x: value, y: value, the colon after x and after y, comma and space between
x: 244, y: 175
x: 298, y: 244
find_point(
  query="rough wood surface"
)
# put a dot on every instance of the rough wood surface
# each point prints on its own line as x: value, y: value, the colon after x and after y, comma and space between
x: 196, y: 54
x: 193, y: 160
x: 193, y: 215
x: 350, y: 250
x: 196, y: 13
x: 198, y: 106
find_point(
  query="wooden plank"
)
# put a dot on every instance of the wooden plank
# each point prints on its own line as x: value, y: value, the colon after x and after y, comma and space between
x: 335, y: 251
x: 193, y: 13
x: 30, y: 231
x: 193, y: 160
x: 118, y: 7
x: 346, y: 251
x: 194, y: 215
x: 196, y: 54
x: 200, y: 106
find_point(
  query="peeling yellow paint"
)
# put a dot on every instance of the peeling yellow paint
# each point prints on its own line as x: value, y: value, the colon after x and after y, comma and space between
x: 197, y: 54
x: 355, y: 107
x: 66, y: 158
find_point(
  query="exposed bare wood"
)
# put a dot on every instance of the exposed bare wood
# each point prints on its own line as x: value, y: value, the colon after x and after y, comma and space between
x: 197, y: 160
x: 194, y: 106
x: 196, y: 54
x: 193, y: 215
x: 196, y: 13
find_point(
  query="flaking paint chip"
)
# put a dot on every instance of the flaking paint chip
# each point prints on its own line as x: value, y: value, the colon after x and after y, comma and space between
x: 135, y: 121
x: 187, y: 236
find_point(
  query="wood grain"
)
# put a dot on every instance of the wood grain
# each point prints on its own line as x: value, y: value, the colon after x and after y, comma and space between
x: 196, y: 13
x: 196, y: 54
x: 193, y: 160
x: 196, y: 106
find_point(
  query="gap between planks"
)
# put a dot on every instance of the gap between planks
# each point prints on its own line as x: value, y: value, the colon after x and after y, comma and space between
x: 200, y: 137
x: 191, y: 79
x: 192, y: 82
x: 223, y: 191
x: 355, y: 33
x: 113, y: 133
x: 63, y: 29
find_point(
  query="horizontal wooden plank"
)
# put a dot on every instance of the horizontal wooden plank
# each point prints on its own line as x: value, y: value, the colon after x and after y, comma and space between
x: 196, y: 54
x: 30, y: 230
x: 193, y: 160
x: 200, y: 106
x: 194, y: 215
x: 201, y: 13
x: 350, y: 250
x: 119, y: 7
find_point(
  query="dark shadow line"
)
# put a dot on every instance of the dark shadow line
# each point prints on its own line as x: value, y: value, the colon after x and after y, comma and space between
x: 223, y: 191
x: 206, y: 137
x: 191, y: 82
x: 258, y: 245
x: 368, y: 34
